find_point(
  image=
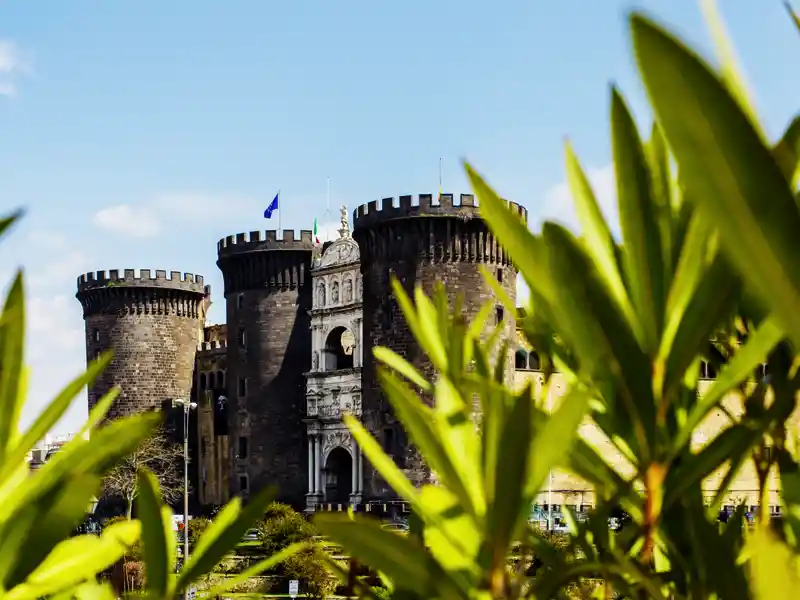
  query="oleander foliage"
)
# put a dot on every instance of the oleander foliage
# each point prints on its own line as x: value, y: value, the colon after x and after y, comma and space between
x: 708, y: 256
x: 39, y: 511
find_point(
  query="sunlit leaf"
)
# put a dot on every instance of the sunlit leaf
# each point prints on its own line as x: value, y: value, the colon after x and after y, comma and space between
x: 726, y: 167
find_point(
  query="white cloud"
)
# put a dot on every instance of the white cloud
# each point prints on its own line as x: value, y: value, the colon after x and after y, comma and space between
x: 12, y: 63
x: 166, y: 209
x: 558, y: 206
x: 126, y: 220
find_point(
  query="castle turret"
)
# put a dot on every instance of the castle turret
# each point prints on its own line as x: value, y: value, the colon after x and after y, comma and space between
x: 423, y: 241
x: 153, y: 324
x: 268, y: 296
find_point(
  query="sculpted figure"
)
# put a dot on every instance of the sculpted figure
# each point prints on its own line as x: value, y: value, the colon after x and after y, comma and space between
x: 348, y: 290
x: 335, y: 292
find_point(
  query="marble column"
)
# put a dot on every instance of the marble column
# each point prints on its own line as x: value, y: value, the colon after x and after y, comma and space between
x: 310, y: 464
x: 318, y: 465
x: 360, y: 472
x: 354, y: 488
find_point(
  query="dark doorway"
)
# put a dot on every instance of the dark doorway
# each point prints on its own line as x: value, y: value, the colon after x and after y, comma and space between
x: 339, y: 350
x: 338, y: 476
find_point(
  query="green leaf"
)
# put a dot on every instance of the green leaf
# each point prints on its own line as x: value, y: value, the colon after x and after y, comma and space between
x: 48, y: 418
x: 402, y: 558
x: 554, y: 439
x: 154, y: 533
x: 643, y: 261
x: 394, y: 361
x: 7, y: 222
x: 741, y: 366
x: 773, y: 573
x: 420, y: 423
x: 729, y: 68
x: 793, y: 14
x: 81, y: 558
x: 598, y: 237
x: 12, y: 342
x: 512, y: 496
x: 257, y: 569
x: 224, y: 532
x: 726, y: 167
x: 57, y: 513
x: 787, y: 153
x: 731, y: 444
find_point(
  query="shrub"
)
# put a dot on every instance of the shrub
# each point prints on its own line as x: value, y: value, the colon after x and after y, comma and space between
x: 197, y: 527
x: 283, y: 526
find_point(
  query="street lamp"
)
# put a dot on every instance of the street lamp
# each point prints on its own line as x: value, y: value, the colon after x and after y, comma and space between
x: 187, y: 408
x: 92, y: 505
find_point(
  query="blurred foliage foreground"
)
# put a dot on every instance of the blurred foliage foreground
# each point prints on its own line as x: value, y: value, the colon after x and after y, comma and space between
x: 708, y: 260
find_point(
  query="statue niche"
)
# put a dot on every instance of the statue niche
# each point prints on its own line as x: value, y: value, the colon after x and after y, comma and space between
x: 348, y: 290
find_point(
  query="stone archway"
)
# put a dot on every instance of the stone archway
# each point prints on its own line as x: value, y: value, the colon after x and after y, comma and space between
x: 338, y: 476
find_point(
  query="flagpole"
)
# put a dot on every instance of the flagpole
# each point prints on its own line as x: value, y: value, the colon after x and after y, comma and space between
x: 280, y: 231
x: 440, y: 176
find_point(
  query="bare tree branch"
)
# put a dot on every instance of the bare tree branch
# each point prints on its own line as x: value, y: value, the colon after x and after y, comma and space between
x: 161, y: 456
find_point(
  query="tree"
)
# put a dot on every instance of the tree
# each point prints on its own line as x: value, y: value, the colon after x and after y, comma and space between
x: 161, y: 456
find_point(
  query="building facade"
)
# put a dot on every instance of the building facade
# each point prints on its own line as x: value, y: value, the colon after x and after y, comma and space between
x: 335, y: 464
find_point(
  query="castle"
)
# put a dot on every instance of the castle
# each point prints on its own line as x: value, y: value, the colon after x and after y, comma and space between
x: 295, y: 354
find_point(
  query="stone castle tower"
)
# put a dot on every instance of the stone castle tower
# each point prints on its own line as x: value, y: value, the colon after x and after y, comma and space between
x: 153, y: 325
x: 423, y: 242
x: 268, y: 296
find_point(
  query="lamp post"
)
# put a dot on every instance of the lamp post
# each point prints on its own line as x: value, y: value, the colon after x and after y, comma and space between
x: 187, y: 408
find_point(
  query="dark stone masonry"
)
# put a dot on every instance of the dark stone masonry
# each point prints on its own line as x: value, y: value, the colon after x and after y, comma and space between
x: 268, y: 297
x: 424, y: 242
x: 153, y: 324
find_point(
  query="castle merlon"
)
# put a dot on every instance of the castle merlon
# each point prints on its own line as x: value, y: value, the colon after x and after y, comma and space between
x: 424, y: 205
x: 212, y: 347
x: 266, y: 240
x: 143, y: 278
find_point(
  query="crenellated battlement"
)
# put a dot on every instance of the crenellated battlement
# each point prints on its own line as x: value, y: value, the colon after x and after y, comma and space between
x: 266, y: 240
x: 211, y: 347
x: 425, y: 205
x: 143, y: 278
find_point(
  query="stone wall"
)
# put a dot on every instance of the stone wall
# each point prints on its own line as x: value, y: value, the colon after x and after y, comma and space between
x: 268, y: 295
x: 153, y: 325
x: 420, y: 244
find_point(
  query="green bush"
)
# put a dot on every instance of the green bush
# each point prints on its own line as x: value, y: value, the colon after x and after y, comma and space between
x: 281, y: 527
x: 197, y: 527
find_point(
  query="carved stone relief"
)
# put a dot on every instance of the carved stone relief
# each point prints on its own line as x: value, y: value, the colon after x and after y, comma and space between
x: 332, y: 439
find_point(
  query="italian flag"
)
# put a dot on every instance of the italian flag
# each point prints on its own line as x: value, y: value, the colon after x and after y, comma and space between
x: 317, y: 241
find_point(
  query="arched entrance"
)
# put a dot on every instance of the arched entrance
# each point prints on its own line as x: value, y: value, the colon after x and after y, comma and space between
x: 338, y: 353
x: 338, y: 476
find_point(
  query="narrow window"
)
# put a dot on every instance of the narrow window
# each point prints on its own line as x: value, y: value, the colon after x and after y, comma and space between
x: 240, y: 301
x: 242, y: 387
x: 243, y: 483
x: 242, y: 337
x: 96, y: 335
x: 242, y: 448
x: 500, y: 275
x: 500, y: 314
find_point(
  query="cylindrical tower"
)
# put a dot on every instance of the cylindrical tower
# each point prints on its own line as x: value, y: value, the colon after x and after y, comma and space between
x: 153, y: 325
x: 268, y: 297
x: 424, y: 242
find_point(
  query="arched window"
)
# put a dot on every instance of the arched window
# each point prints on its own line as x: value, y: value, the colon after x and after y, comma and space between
x: 338, y: 353
x: 221, y: 379
x: 211, y: 382
x: 533, y: 361
x: 521, y: 360
x: 202, y: 381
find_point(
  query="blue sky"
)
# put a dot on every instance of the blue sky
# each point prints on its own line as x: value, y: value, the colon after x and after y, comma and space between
x: 137, y: 133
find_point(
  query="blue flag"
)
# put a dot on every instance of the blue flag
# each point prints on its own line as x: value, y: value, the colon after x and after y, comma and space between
x: 273, y: 206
